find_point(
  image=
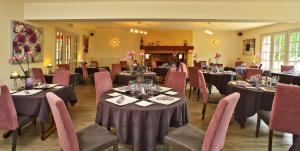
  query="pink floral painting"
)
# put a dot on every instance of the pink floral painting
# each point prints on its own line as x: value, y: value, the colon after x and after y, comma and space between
x: 27, y: 38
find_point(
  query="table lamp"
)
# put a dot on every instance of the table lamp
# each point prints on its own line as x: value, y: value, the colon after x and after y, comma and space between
x: 15, y: 75
x: 49, y: 66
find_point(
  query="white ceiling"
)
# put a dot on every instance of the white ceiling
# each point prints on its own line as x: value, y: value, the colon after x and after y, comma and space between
x: 262, y: 1
x: 219, y: 26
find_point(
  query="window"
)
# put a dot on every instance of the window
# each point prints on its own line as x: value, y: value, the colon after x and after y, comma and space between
x: 294, y: 50
x: 66, y: 48
x: 279, y: 49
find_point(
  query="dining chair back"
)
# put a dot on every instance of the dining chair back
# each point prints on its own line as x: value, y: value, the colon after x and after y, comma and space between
x: 168, y: 75
x: 94, y: 63
x: 85, y: 74
x: 205, y: 93
x: 8, y: 114
x: 116, y: 68
x: 194, y: 77
x: 64, y: 66
x: 251, y: 72
x: 176, y: 81
x: 66, y: 131
x: 238, y: 63
x: 285, y: 109
x: 61, y: 77
x: 285, y: 68
x: 103, y: 83
x: 153, y: 64
x: 218, y: 126
x: 123, y: 63
x: 38, y: 74
x: 183, y: 68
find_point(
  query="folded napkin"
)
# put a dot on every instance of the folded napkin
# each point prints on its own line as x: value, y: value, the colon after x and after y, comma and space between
x: 161, y: 88
x: 268, y: 89
x: 114, y: 94
x: 27, y: 92
x: 164, y: 99
x: 121, y: 89
x: 171, y: 93
x: 121, y: 100
x: 58, y: 87
x: 11, y: 91
x: 144, y: 103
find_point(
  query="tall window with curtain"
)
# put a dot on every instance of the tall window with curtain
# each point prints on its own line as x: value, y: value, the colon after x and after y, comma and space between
x: 278, y: 51
x: 266, y: 51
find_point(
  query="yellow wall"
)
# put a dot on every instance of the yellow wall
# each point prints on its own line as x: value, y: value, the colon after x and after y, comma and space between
x: 168, y: 37
x: 102, y: 50
x: 256, y: 33
x: 14, y: 11
x: 227, y: 44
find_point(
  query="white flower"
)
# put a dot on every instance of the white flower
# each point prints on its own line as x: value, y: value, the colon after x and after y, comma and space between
x: 19, y: 28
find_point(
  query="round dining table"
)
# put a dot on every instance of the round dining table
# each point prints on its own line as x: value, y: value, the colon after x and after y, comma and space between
x: 123, y: 77
x: 161, y: 71
x: 142, y: 127
x: 251, y: 100
x: 219, y: 80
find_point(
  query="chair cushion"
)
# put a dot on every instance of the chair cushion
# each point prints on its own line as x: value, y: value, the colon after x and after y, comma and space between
x: 187, y: 137
x: 265, y: 116
x: 95, y: 138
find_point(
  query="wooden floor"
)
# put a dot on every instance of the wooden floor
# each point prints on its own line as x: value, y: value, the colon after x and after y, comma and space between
x: 84, y: 112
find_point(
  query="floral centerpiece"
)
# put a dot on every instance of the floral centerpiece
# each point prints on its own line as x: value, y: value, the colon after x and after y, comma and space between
x: 20, y: 59
x: 130, y: 54
x: 217, y: 57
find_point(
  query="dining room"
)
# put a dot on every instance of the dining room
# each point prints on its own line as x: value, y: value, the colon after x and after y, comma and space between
x: 149, y: 75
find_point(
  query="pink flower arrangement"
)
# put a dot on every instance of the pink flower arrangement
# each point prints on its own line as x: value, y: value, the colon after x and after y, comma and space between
x: 142, y: 54
x: 19, y: 60
x: 130, y: 54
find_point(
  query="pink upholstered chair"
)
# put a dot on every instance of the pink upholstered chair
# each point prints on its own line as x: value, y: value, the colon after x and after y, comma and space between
x: 284, y: 116
x: 116, y: 68
x: 285, y: 68
x: 194, y: 80
x: 64, y: 66
x: 238, y: 63
x: 61, y: 77
x: 38, y: 74
x: 123, y: 63
x: 8, y: 116
x: 93, y: 137
x: 191, y: 138
x: 85, y: 74
x: 153, y: 64
x: 176, y: 81
x: 251, y: 72
x: 204, y: 93
x: 103, y: 83
x: 168, y: 75
x: 183, y: 68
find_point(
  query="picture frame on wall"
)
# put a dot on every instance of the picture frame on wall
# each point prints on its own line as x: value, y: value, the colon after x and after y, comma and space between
x: 26, y: 38
x: 249, y: 46
x: 85, y: 43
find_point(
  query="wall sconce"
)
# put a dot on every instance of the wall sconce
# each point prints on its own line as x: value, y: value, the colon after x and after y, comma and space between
x: 114, y: 42
x: 214, y: 42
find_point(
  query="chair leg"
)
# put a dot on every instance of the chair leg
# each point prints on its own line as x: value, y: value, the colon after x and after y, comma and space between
x: 190, y: 91
x: 270, y: 140
x: 257, y: 125
x: 204, y: 110
x: 166, y: 147
x: 115, y: 147
x: 34, y: 121
x: 198, y: 94
x: 14, y: 141
x: 19, y: 131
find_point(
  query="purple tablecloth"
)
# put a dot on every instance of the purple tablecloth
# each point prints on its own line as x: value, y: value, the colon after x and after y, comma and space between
x: 288, y: 78
x: 37, y: 105
x: 219, y: 80
x: 250, y: 101
x: 124, y: 77
x: 143, y: 127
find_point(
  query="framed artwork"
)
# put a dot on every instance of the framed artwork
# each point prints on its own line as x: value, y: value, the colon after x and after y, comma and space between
x: 85, y: 44
x: 27, y: 39
x: 249, y: 46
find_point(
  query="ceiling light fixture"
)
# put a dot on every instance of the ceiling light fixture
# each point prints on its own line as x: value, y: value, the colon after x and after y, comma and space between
x: 208, y: 32
x: 138, y: 30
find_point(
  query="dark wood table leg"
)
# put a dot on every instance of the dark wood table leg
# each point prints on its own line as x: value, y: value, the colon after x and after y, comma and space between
x: 7, y: 134
x: 49, y: 131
